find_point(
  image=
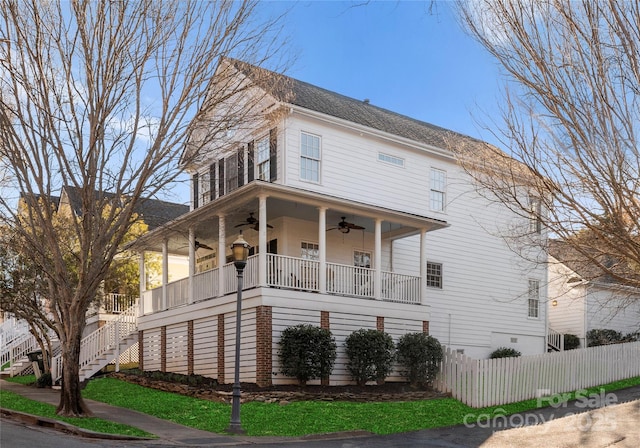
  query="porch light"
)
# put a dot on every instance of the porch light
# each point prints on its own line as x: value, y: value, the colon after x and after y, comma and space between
x: 240, y: 250
x: 344, y: 229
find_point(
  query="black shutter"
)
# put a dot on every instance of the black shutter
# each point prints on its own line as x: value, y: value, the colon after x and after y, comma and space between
x: 273, y: 154
x: 220, y: 177
x: 241, y: 166
x: 212, y: 181
x: 250, y: 163
x: 195, y: 190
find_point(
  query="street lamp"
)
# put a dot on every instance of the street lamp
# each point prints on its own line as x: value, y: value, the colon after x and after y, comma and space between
x: 240, y: 251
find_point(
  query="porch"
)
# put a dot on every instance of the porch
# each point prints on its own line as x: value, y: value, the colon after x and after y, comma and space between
x: 285, y: 272
x: 299, y: 240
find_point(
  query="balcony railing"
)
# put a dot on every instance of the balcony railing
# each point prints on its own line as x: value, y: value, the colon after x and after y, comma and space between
x: 288, y: 273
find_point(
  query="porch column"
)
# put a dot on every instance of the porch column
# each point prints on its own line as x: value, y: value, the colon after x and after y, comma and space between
x: 377, y: 256
x: 165, y: 272
x: 322, y: 249
x: 262, y: 241
x: 423, y: 266
x: 192, y: 263
x: 222, y: 253
x: 143, y: 283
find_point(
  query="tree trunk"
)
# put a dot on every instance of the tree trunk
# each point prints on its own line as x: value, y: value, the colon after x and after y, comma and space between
x: 71, y: 402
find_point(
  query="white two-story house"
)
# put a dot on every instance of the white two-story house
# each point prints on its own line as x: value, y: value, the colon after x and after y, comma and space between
x: 357, y: 217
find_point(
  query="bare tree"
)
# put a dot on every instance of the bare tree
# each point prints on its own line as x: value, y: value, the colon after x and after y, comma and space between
x: 101, y: 96
x: 571, y: 123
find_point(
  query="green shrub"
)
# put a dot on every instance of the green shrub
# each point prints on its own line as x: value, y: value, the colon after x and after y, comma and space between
x: 420, y: 356
x: 632, y: 337
x: 371, y: 354
x: 600, y: 336
x: 307, y: 352
x: 571, y: 341
x: 505, y: 352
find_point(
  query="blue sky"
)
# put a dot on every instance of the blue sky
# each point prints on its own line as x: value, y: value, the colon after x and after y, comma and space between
x: 399, y: 55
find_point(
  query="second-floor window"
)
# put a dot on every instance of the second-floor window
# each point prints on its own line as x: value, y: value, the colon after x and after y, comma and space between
x: 310, y: 157
x: 438, y: 187
x: 535, y: 218
x: 533, y: 302
x: 204, y: 186
x: 263, y: 160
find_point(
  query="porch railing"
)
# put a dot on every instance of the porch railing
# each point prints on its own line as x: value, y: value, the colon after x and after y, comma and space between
x: 117, y: 303
x: 288, y: 273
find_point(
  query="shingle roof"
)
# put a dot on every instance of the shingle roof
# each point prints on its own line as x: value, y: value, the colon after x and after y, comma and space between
x: 153, y: 212
x: 308, y: 96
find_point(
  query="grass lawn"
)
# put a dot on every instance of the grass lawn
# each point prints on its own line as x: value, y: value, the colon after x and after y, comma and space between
x: 303, y: 417
x: 294, y: 419
x: 9, y: 400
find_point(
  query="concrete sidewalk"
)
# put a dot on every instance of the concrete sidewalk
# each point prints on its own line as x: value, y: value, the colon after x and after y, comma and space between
x: 582, y: 422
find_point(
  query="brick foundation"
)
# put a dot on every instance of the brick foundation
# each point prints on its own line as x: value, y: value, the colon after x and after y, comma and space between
x: 425, y: 326
x: 190, y: 347
x: 324, y: 323
x: 141, y: 350
x: 221, y: 348
x: 380, y: 323
x: 264, y: 346
x: 163, y: 348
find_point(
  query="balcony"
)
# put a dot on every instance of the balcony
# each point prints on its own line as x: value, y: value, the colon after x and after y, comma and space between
x: 287, y: 273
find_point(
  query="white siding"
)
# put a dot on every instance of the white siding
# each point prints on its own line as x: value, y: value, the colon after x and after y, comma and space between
x: 247, y: 346
x: 612, y: 309
x: 177, y: 348
x: 485, y: 283
x: 205, y: 347
x: 568, y: 313
x: 350, y: 166
x: 151, y: 353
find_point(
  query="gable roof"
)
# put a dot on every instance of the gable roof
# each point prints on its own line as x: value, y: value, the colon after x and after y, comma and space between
x: 586, y: 268
x: 299, y: 93
x: 153, y: 212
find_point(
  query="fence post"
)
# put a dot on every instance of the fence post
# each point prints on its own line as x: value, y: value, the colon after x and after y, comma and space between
x: 117, y: 342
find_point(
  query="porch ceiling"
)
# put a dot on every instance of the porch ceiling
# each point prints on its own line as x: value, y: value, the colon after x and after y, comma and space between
x: 281, y: 201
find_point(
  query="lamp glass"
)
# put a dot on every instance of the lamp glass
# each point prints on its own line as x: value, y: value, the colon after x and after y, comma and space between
x: 240, y: 249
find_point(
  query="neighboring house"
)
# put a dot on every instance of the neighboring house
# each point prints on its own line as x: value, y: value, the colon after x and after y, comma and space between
x: 581, y: 300
x: 153, y: 213
x: 358, y: 217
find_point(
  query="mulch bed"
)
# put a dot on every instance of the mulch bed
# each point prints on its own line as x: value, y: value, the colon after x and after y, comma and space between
x: 285, y: 394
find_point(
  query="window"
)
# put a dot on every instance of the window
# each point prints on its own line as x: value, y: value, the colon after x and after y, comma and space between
x: 310, y: 157
x: 231, y: 170
x: 397, y: 161
x: 361, y: 259
x: 535, y: 210
x: 434, y: 275
x: 438, y: 187
x: 534, y: 298
x: 205, y: 188
x: 310, y: 251
x: 264, y: 166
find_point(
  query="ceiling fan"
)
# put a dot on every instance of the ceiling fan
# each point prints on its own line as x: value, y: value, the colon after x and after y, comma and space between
x: 345, y: 227
x: 199, y: 245
x: 252, y: 222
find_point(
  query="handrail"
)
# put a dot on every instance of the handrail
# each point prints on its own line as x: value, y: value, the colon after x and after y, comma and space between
x: 18, y: 349
x: 102, y: 340
x: 555, y: 339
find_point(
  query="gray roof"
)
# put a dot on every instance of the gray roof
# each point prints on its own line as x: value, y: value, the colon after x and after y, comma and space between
x: 153, y: 212
x: 308, y: 96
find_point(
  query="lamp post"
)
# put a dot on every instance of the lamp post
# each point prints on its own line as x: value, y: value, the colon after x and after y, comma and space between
x: 240, y: 250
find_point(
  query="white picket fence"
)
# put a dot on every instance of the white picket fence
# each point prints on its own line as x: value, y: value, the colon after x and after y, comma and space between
x: 491, y: 382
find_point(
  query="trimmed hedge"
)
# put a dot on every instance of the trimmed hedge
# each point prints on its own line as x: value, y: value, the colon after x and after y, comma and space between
x: 371, y: 355
x: 420, y: 356
x: 505, y: 352
x: 307, y: 352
